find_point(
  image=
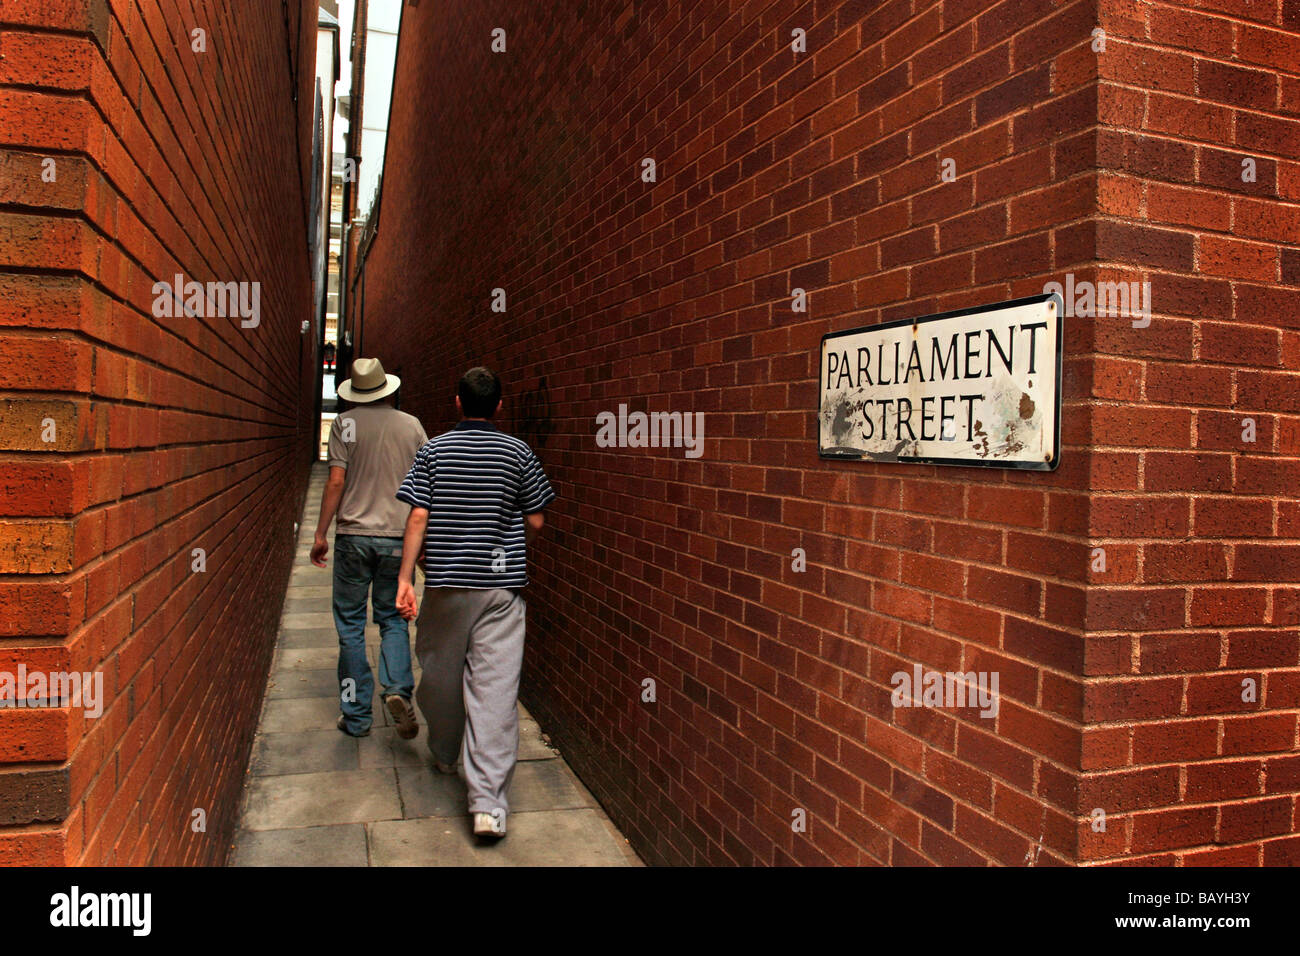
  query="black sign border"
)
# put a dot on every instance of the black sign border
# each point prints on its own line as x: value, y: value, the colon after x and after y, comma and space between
x: 954, y: 314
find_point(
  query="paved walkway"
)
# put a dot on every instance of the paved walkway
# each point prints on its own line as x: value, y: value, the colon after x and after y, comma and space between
x: 317, y: 797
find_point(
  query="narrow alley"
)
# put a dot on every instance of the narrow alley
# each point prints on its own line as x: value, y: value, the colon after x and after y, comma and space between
x: 316, y: 797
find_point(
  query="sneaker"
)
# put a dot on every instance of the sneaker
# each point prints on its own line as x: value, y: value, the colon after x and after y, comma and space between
x: 404, y: 714
x: 444, y: 767
x: 342, y: 725
x: 487, y: 825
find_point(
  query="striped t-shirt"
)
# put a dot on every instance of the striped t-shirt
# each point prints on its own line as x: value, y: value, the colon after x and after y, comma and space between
x: 477, y: 484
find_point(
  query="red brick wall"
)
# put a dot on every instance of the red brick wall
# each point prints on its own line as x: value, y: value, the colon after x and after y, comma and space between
x: 171, y: 434
x: 821, y: 170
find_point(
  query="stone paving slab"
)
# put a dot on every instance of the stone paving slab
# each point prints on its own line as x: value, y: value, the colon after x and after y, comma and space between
x: 310, y: 637
x: 317, y: 797
x: 544, y: 838
x: 428, y: 793
x: 531, y: 744
x: 383, y: 748
x: 306, y: 574
x: 342, y: 845
x: 289, y: 622
x: 301, y: 605
x: 300, y: 713
x: 305, y: 659
x: 281, y: 754
x: 548, y: 785
x: 319, y: 595
x: 303, y: 683
x: 314, y: 799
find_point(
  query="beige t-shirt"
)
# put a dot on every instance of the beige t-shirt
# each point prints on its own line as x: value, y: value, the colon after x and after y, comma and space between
x: 376, y: 444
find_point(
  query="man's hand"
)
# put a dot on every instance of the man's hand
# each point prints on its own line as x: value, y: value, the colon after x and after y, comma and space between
x: 406, y: 599
x: 319, y: 549
x: 533, y: 526
x: 412, y: 545
x: 329, y: 505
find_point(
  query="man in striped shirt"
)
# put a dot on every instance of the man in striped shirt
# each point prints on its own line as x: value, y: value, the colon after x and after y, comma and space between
x: 476, y: 497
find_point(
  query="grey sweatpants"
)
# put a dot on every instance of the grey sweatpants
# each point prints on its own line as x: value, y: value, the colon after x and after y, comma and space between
x: 470, y: 644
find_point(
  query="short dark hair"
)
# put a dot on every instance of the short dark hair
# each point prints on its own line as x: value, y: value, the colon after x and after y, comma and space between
x: 480, y: 393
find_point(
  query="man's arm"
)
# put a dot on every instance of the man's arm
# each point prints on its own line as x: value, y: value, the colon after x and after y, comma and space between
x: 534, y: 494
x: 412, y: 545
x: 329, y: 506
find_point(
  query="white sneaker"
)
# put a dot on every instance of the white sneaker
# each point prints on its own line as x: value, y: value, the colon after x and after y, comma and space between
x: 487, y: 824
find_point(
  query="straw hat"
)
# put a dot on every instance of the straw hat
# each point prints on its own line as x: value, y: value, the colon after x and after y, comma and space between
x: 368, y: 383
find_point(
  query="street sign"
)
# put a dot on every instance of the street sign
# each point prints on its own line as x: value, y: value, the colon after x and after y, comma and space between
x: 978, y: 386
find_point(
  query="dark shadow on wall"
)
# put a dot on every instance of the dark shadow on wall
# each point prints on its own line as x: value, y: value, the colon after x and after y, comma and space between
x: 533, y: 418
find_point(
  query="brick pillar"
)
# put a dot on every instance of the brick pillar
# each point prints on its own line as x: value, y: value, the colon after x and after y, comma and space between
x: 132, y: 150
x: 1192, y: 687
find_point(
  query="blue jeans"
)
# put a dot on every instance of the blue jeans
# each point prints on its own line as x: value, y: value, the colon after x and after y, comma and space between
x: 360, y: 564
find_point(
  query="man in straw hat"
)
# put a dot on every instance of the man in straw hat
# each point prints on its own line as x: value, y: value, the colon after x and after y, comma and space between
x: 371, y: 447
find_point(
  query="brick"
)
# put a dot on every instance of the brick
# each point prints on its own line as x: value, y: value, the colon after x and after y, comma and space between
x: 1132, y: 789
x: 1013, y: 175
x: 1239, y: 172
x: 1235, y: 86
x: 1175, y: 741
x: 1165, y: 829
x: 1146, y: 517
x: 1218, y: 694
x: 1056, y: 117
x: 1268, y: 391
x: 1253, y: 820
x: 1260, y: 219
x: 1149, y: 157
x: 1237, y: 344
x: 1132, y: 699
x: 1227, y: 606
x: 1232, y: 517
x: 33, y: 796
x: 1190, y: 295
x: 1284, y: 852
x: 1179, y: 471
x: 1235, y: 258
x: 1133, y: 245
x: 1258, y: 734
x: 1257, y: 134
x: 1191, y: 30
x: 1188, y: 207
x: 979, y: 73
x: 1189, y: 118
x: 1212, y: 782
x: 1193, y: 561
x: 1170, y: 653
x: 1020, y: 91
x: 1262, y: 648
